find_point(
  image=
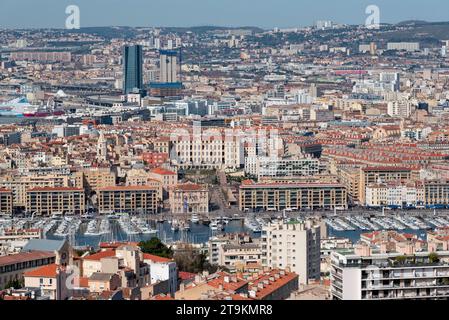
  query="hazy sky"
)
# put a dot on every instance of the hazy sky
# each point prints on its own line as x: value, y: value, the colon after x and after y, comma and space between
x: 262, y: 13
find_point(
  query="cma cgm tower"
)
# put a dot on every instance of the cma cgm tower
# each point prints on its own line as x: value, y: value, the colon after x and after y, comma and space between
x: 132, y: 68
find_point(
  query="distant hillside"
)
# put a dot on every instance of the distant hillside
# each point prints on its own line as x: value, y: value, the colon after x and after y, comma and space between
x: 205, y: 29
x: 428, y: 33
x: 107, y: 32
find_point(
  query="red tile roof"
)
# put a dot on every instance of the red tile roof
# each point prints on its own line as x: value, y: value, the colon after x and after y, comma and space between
x: 127, y: 188
x: 51, y: 189
x: 100, y: 255
x: 273, y: 285
x: 147, y: 256
x: 163, y: 171
x: 186, y: 275
x: 189, y: 187
x: 48, y: 271
x: 231, y: 285
x: 25, y: 256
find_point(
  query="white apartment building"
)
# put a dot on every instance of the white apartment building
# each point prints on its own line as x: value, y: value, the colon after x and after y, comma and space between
x: 394, y: 194
x: 402, y: 109
x: 294, y: 245
x: 207, y: 152
x: 267, y: 167
x: 407, y: 46
x: 162, y: 269
x: 370, y: 275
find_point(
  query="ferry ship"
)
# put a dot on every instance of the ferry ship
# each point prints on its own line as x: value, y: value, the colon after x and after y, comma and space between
x: 21, y: 107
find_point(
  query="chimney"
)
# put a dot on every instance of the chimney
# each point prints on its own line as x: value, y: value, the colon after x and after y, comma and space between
x: 271, y: 279
x: 254, y: 288
x: 220, y: 287
x: 234, y: 279
x: 276, y: 276
x: 266, y: 281
x: 252, y: 293
x: 182, y: 287
x: 260, y: 285
x: 226, y: 279
x: 282, y: 272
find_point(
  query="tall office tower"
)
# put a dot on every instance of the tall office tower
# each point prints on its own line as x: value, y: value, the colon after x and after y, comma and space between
x: 157, y: 43
x: 132, y: 68
x: 168, y: 66
x: 170, y: 44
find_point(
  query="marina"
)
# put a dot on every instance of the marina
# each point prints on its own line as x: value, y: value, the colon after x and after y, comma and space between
x: 89, y: 231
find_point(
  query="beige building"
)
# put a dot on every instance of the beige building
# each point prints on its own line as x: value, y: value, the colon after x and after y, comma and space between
x: 96, y: 178
x: 142, y: 178
x: 168, y: 178
x: 294, y: 196
x: 294, y: 245
x: 131, y: 199
x: 381, y: 174
x: 12, y: 267
x: 51, y: 279
x: 6, y: 201
x: 100, y: 281
x: 19, y: 185
x: 211, y: 150
x: 189, y: 198
x: 47, y: 201
x: 238, y: 256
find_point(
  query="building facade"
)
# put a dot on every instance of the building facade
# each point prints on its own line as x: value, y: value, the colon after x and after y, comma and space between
x: 294, y: 245
x: 294, y: 196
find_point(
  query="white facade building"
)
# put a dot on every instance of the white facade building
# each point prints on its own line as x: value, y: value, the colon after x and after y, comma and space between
x: 294, y: 245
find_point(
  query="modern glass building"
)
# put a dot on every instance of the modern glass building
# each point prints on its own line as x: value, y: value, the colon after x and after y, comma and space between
x: 132, y: 68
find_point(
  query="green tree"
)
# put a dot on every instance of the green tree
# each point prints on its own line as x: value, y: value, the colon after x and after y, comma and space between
x: 433, y: 257
x: 156, y: 247
x: 401, y: 259
x: 190, y: 260
x: 16, y: 284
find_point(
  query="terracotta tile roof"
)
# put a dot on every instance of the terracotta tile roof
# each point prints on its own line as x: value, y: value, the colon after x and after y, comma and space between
x: 127, y: 188
x: 100, y: 255
x: 48, y: 271
x: 163, y: 171
x: 231, y: 285
x: 51, y: 189
x: 189, y: 187
x: 186, y: 275
x: 272, y: 286
x: 147, y: 256
x: 25, y: 256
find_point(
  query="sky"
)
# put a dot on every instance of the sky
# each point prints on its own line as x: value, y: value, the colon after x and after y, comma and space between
x: 186, y: 13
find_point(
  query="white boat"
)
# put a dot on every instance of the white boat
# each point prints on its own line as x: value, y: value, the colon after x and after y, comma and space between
x: 213, y: 226
x: 92, y: 229
x: 195, y: 218
x: 253, y: 225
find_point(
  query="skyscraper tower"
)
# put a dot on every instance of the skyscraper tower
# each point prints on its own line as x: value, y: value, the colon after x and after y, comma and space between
x: 169, y: 66
x: 132, y: 68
